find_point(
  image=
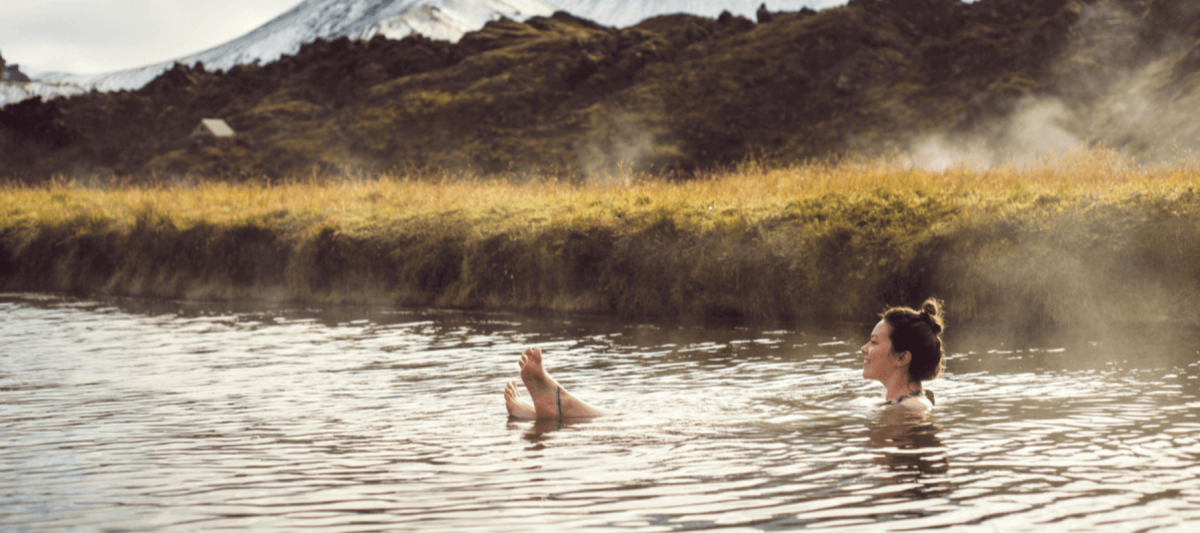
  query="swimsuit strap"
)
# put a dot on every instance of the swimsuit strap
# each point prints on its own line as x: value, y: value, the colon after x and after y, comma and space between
x: 901, y: 398
x: 558, y: 400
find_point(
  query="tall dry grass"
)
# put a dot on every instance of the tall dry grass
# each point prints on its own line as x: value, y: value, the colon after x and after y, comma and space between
x: 1058, y: 239
x: 752, y: 187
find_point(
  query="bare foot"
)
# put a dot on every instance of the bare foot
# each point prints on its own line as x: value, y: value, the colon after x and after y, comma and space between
x: 550, y: 399
x: 542, y: 388
x: 517, y: 407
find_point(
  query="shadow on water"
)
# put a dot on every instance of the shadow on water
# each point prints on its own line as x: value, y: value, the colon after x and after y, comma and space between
x: 911, y: 446
x: 540, y: 431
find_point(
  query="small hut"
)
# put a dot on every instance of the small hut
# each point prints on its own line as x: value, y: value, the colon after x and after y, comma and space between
x: 212, y: 128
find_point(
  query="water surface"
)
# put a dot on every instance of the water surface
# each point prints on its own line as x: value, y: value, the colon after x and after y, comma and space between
x: 120, y: 415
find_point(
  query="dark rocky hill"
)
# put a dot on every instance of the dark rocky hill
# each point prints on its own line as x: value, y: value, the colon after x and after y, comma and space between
x: 565, y: 96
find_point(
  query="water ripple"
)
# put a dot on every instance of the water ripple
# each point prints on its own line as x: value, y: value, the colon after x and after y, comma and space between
x: 177, y: 416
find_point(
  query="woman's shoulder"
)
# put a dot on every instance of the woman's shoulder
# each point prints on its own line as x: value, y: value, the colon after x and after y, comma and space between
x: 916, y: 403
x: 919, y: 399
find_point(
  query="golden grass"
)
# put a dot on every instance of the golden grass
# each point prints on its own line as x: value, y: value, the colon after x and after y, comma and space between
x: 751, y: 190
x: 829, y: 239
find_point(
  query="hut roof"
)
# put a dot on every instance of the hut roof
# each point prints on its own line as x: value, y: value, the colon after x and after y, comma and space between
x: 214, y: 127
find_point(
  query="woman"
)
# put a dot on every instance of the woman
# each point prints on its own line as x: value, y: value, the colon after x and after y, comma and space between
x: 905, y: 349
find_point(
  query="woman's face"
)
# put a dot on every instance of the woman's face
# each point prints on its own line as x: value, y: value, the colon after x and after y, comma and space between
x: 879, y: 364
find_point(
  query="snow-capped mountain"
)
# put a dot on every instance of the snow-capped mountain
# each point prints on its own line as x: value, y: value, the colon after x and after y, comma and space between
x: 363, y: 19
x: 329, y: 19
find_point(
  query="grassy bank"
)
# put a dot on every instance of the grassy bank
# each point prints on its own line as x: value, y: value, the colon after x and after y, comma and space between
x: 1076, y: 238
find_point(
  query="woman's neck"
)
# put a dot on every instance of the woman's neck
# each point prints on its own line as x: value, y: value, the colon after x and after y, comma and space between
x: 900, y: 387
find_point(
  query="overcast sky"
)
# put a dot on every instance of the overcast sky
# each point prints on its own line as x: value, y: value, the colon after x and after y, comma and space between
x: 92, y: 36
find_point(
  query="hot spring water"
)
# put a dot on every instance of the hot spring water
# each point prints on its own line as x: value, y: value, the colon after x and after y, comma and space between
x: 133, y: 416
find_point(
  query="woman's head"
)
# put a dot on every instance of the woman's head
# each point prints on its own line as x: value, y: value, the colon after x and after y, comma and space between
x: 919, y: 334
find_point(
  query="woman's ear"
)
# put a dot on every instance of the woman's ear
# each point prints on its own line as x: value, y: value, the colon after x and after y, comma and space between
x: 903, y: 358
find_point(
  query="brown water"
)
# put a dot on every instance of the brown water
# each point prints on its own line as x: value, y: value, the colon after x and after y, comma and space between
x: 133, y: 416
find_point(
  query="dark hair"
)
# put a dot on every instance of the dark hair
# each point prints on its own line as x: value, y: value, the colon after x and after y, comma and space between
x: 919, y: 334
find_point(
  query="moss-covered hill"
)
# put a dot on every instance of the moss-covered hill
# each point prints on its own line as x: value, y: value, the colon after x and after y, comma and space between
x: 563, y: 96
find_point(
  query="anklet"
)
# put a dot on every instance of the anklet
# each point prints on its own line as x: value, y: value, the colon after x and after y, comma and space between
x: 558, y: 400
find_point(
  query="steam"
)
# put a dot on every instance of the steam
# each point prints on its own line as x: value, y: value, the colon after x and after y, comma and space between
x: 1102, y: 92
x: 1039, y: 127
x: 1099, y: 95
x: 618, y: 147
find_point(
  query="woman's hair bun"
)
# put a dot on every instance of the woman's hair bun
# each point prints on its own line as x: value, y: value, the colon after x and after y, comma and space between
x: 931, y: 312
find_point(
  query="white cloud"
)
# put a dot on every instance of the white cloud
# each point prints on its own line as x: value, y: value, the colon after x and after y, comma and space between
x: 89, y: 36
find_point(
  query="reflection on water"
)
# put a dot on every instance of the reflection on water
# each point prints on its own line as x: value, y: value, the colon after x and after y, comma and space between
x: 120, y: 415
x: 909, y: 443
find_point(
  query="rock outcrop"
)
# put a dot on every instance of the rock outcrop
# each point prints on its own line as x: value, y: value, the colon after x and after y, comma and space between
x: 11, y: 72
